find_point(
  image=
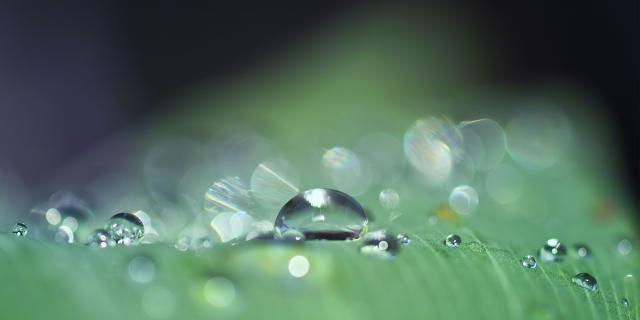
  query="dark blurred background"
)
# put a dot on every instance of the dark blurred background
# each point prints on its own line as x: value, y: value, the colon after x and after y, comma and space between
x: 73, y: 73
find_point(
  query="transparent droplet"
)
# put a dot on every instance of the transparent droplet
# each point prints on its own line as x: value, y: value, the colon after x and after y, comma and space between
x: 487, y: 136
x: 53, y: 216
x: 346, y: 170
x: 433, y: 146
x: 125, y: 229
x: 64, y: 234
x: 260, y: 230
x: 293, y: 235
x: 20, y: 229
x: 452, y: 241
x: 582, y: 250
x: 299, y: 266
x: 537, y: 138
x: 228, y: 226
x: 529, y: 261
x: 504, y: 184
x: 463, y: 199
x: 585, y: 280
x: 322, y: 214
x: 624, y: 302
x: 141, y: 269
x: 404, y: 239
x: 228, y: 195
x: 553, y: 251
x: 624, y: 246
x: 100, y: 238
x: 274, y: 182
x: 183, y: 243
x: 389, y: 198
x: 219, y: 292
x: 380, y: 244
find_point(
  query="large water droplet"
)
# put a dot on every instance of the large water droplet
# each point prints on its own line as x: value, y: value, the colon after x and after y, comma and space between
x: 553, y: 251
x: 380, y: 244
x: 100, y: 238
x: 452, y: 241
x: 322, y: 214
x: 529, y: 261
x: 125, y: 229
x: 20, y: 229
x: 484, y: 141
x: 463, y: 199
x: 585, y: 280
x: 389, y: 198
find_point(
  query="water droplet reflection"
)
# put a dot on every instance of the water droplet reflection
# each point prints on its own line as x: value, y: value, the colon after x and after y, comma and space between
x: 586, y: 281
x: 299, y: 266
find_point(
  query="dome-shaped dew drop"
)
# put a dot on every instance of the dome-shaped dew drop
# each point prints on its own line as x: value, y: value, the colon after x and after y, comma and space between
x: 322, y: 214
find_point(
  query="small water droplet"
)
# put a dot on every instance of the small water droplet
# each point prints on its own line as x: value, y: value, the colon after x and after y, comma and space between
x: 452, y: 241
x: 404, y: 239
x: 624, y: 246
x: 125, y: 229
x: 553, y: 251
x: 183, y: 243
x: 585, y: 280
x: 389, y: 198
x: 20, y: 229
x: 64, y: 234
x: 343, y: 218
x: 100, y: 238
x: 529, y: 261
x: 380, y: 244
x: 624, y: 302
x: 582, y: 251
x: 463, y: 199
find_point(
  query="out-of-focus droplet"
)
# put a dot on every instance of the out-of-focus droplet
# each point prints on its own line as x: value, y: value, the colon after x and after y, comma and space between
x: 64, y: 234
x: 20, y: 229
x: 241, y: 153
x: 537, y: 138
x: 219, y: 292
x: 624, y: 246
x: 228, y: 226
x: 452, y: 241
x: 380, y: 244
x: 260, y: 229
x: 404, y: 239
x: 292, y: 235
x: 125, y: 229
x: 504, y: 184
x: 484, y: 141
x: 389, y: 198
x: 100, y: 238
x: 444, y: 213
x: 433, y: 146
x: 529, y: 262
x: 274, y: 182
x: 553, y: 251
x: 582, y: 250
x: 586, y: 281
x: 322, y: 214
x: 141, y: 269
x: 463, y: 199
x: 53, y: 216
x: 158, y: 303
x: 228, y: 195
x: 384, y: 155
x: 166, y: 162
x: 299, y: 266
x: 346, y: 170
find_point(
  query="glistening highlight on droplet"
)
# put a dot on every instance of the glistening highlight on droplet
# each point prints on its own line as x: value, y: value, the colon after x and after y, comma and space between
x: 322, y: 214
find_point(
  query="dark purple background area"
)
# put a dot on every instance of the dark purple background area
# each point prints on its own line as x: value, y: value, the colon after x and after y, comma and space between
x: 73, y: 73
